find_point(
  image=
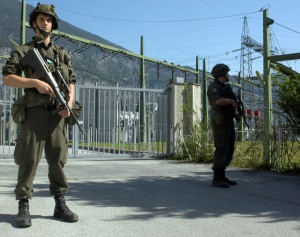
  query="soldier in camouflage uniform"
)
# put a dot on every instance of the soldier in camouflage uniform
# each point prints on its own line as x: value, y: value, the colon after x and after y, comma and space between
x: 222, y: 114
x: 39, y: 129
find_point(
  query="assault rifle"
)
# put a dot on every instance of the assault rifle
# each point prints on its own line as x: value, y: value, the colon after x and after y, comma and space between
x: 240, y: 108
x: 34, y: 59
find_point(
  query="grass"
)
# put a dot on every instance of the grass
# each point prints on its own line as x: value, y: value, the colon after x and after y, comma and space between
x: 285, y: 157
x: 159, y: 147
x: 248, y: 154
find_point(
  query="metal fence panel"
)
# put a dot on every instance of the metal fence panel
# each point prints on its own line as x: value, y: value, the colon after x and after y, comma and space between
x: 8, y: 129
x: 116, y: 120
x: 119, y: 120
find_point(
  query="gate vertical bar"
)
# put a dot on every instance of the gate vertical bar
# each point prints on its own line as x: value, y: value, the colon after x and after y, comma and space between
x: 75, y: 135
x: 142, y: 85
x: 104, y: 120
x: 109, y: 121
x: 115, y: 120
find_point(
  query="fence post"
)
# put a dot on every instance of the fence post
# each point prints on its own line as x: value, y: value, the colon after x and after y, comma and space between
x: 180, y: 96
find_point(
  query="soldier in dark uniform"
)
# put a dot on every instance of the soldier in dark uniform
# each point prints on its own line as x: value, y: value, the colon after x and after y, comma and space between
x: 41, y: 131
x: 222, y: 121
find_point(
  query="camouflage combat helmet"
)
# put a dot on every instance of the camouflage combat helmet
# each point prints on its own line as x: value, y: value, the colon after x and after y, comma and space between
x: 220, y: 70
x: 47, y: 10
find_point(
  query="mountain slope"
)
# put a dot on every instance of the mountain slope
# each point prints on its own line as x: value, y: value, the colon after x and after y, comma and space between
x: 92, y: 65
x: 89, y: 64
x: 10, y: 22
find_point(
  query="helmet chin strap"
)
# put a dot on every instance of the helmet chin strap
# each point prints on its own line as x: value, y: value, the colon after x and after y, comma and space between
x: 42, y: 32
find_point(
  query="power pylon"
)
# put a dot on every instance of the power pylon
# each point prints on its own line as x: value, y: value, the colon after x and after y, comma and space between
x: 246, y: 45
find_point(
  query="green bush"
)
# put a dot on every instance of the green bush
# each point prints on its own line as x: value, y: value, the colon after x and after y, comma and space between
x: 196, y: 146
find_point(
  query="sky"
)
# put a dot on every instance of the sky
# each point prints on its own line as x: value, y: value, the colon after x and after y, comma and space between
x: 179, y: 30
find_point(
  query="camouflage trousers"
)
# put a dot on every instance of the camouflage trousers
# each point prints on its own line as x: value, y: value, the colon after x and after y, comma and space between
x: 41, y: 131
x: 224, y: 140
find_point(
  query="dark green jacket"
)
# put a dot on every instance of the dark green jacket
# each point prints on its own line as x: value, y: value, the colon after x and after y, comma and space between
x: 54, y: 56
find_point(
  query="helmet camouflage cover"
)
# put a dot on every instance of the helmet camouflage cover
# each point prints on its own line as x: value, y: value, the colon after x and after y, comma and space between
x: 220, y: 70
x: 47, y: 10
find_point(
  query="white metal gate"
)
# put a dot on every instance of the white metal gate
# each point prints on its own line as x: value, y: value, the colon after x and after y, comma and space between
x: 117, y: 121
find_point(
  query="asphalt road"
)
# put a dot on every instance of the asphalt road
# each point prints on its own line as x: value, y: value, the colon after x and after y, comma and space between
x: 118, y: 197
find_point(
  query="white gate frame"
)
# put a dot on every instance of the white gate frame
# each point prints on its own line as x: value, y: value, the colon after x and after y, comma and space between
x: 111, y: 120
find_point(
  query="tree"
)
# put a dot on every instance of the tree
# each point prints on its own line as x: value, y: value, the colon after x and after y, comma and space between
x: 289, y: 100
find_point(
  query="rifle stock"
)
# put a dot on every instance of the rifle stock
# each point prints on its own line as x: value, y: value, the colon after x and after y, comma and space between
x: 34, y: 59
x: 241, y: 110
x: 240, y: 107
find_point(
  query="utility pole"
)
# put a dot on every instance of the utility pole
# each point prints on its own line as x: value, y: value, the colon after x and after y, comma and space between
x: 20, y: 91
x: 197, y: 69
x: 267, y: 88
x: 204, y: 98
x: 23, y: 25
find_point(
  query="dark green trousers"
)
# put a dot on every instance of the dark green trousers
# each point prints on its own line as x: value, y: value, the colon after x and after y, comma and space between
x: 224, y: 140
x: 40, y: 132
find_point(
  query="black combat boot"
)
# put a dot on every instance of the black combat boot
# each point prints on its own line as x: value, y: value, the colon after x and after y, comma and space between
x: 62, y: 211
x: 23, y: 216
x: 229, y: 181
x: 218, y: 180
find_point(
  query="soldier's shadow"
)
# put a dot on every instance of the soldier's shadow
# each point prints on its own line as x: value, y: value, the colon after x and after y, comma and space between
x: 11, y: 218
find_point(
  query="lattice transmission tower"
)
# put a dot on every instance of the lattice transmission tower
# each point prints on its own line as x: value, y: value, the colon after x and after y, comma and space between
x: 249, y: 93
x: 246, y: 52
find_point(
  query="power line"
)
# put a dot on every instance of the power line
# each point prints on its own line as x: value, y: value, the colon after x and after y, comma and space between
x: 171, y: 47
x: 287, y: 28
x: 159, y: 21
x: 274, y: 39
x: 194, y: 29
